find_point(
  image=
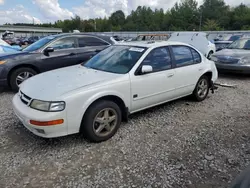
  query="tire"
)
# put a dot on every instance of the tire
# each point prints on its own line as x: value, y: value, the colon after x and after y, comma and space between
x: 209, y: 55
x: 89, y: 126
x: 13, y: 77
x: 196, y: 93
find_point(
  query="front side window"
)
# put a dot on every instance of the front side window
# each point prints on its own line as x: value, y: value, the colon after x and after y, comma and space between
x: 116, y: 59
x: 182, y: 55
x: 159, y: 59
x: 64, y: 43
x: 39, y: 44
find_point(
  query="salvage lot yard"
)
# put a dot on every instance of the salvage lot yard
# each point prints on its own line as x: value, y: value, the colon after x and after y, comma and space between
x: 179, y: 144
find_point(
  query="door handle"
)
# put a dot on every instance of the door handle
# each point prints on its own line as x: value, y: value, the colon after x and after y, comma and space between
x: 170, y: 75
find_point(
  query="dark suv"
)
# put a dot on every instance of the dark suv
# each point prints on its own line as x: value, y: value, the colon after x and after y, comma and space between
x: 49, y: 53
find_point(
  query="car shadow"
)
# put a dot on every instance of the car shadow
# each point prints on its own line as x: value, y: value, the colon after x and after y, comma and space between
x: 5, y: 90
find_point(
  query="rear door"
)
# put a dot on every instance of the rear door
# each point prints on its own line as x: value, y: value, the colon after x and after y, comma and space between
x: 88, y: 46
x: 64, y: 54
x: 188, y: 69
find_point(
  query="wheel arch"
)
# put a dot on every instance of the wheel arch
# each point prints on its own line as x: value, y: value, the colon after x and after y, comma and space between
x: 21, y: 66
x: 209, y: 74
x: 114, y: 98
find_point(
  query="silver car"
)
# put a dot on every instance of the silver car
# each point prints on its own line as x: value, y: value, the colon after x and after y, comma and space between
x: 235, y: 58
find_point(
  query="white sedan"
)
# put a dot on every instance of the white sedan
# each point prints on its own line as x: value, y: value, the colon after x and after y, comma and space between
x: 94, y: 98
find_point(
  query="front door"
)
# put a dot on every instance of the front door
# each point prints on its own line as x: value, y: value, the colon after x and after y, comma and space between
x: 156, y: 87
x: 64, y: 54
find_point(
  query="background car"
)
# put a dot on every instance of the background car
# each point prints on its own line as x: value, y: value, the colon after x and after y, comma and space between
x: 151, y: 37
x: 235, y: 58
x: 223, y: 41
x: 94, y: 98
x: 33, y: 39
x: 6, y: 47
x: 23, y: 41
x: 47, y: 54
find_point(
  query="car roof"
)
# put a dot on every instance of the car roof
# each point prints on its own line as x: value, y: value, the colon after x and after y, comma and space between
x: 101, y: 36
x: 151, y: 44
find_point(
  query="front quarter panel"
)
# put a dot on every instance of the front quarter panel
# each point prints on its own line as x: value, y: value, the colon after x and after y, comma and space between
x: 78, y: 102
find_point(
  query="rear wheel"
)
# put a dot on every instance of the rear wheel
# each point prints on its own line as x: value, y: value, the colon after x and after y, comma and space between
x: 19, y: 75
x: 202, y: 88
x: 101, y: 121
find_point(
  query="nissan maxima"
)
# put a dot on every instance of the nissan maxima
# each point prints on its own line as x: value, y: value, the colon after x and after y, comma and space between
x: 93, y: 98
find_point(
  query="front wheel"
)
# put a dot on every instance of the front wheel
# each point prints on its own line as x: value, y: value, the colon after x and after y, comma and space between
x: 202, y: 88
x: 19, y: 75
x: 101, y: 121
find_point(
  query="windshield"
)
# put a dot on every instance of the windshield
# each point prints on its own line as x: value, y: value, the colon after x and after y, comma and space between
x: 234, y: 38
x: 39, y: 44
x: 240, y: 44
x: 116, y: 59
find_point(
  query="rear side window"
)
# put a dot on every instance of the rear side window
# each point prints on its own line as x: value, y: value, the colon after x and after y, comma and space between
x: 185, y: 56
x: 91, y: 41
x: 196, y: 56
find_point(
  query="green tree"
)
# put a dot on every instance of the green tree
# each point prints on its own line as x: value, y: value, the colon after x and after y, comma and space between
x: 211, y: 25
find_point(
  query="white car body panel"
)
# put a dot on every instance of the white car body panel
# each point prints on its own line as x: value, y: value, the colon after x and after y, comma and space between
x: 80, y: 87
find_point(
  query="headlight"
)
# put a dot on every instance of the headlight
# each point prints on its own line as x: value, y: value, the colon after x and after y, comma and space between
x: 47, y: 106
x: 244, y: 61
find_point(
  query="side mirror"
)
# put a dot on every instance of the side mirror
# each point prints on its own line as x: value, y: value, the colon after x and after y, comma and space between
x: 48, y: 50
x: 146, y: 69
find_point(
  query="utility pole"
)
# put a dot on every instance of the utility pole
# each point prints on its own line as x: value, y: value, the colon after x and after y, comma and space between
x: 200, y: 20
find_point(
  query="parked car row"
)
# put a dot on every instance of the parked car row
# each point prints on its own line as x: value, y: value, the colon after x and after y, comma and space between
x: 11, y: 40
x: 197, y: 39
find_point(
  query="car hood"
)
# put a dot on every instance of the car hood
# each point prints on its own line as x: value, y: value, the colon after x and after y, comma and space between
x: 236, y: 53
x: 12, y: 54
x: 52, y: 85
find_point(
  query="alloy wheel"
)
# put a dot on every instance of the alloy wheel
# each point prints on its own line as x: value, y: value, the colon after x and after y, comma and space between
x: 105, y: 122
x: 22, y: 77
x: 202, y: 88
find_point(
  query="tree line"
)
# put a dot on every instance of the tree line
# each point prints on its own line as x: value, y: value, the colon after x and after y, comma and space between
x: 183, y: 16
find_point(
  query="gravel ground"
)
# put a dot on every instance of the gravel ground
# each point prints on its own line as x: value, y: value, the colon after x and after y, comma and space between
x: 179, y: 144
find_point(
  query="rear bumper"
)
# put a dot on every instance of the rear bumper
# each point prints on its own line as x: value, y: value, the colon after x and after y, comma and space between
x: 244, y: 69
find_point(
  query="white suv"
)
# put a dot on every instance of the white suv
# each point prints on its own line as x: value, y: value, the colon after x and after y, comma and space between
x: 94, y: 98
